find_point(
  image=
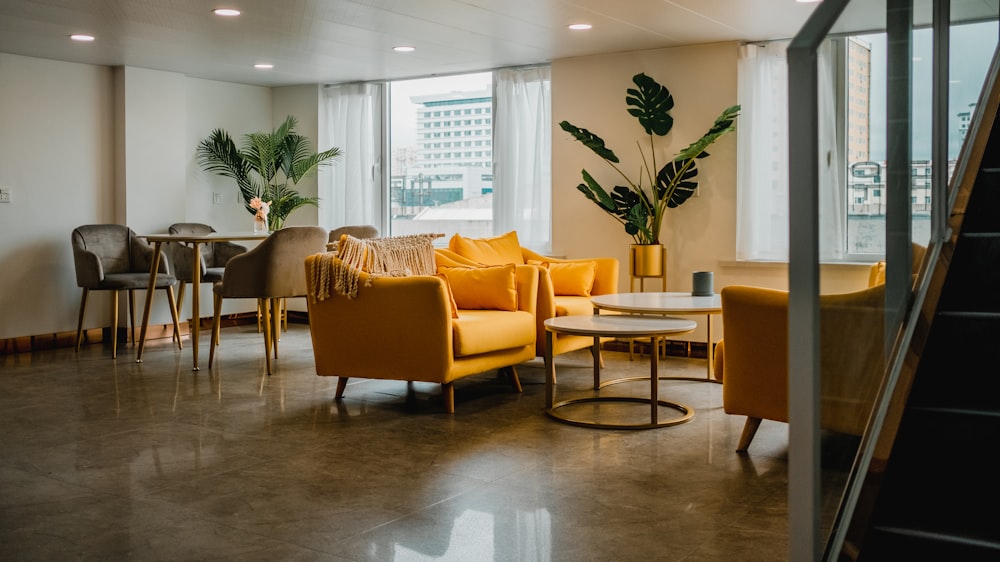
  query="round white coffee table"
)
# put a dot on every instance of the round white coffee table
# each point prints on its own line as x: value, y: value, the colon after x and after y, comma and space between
x: 668, y: 303
x: 624, y: 326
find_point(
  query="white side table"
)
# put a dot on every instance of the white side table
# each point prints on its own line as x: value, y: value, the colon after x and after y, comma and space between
x: 668, y: 303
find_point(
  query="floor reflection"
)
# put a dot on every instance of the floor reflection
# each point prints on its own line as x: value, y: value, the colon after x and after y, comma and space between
x: 110, y: 459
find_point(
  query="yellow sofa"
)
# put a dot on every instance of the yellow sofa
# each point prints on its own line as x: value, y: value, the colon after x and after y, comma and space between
x: 404, y: 328
x: 565, y: 285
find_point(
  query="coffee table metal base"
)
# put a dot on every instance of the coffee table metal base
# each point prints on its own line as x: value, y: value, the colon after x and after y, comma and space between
x: 554, y: 413
x: 600, y: 326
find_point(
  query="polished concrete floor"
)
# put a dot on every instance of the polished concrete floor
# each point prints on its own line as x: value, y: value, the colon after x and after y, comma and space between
x: 104, y: 459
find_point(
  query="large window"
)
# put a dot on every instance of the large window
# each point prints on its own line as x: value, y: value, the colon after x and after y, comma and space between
x: 436, y: 184
x: 852, y: 125
x: 466, y: 154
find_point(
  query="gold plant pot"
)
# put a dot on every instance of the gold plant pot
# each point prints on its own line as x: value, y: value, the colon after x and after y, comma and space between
x: 646, y: 260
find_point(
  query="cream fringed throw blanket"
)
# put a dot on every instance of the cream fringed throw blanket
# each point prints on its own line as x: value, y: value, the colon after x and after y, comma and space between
x: 394, y: 256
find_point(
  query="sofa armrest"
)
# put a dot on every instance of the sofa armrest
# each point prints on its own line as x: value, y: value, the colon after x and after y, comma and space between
x: 395, y: 327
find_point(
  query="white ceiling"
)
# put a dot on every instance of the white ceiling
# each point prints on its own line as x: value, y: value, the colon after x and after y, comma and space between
x: 330, y: 41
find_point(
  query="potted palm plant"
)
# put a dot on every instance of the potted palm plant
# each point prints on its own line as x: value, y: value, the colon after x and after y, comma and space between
x: 641, y: 204
x: 264, y: 167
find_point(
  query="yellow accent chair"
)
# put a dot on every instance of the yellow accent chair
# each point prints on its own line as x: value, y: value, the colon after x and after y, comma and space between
x: 270, y: 272
x: 111, y: 257
x: 565, y: 285
x: 408, y: 329
x: 752, y: 359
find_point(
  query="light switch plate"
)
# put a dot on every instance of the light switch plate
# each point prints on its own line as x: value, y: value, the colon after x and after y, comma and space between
x: 4, y: 195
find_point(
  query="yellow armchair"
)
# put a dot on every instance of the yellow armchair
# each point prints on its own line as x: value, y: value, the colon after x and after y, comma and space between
x: 405, y: 328
x: 564, y: 287
x: 752, y: 360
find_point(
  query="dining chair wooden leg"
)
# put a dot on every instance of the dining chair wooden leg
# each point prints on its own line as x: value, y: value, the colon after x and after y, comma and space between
x: 79, y: 323
x: 173, y: 314
x: 213, y: 340
x: 131, y: 312
x: 114, y: 324
x: 180, y: 303
x: 267, y: 335
x: 276, y: 325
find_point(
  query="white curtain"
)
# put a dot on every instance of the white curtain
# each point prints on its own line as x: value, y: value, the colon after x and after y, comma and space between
x: 762, y: 152
x: 350, y: 190
x: 762, y: 155
x: 832, y: 164
x: 522, y: 161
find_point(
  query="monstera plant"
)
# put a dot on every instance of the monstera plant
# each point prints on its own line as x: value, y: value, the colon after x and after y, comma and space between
x: 640, y: 204
x: 264, y: 166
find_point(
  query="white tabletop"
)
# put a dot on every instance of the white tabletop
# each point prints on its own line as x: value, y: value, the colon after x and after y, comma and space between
x: 616, y: 325
x: 670, y: 303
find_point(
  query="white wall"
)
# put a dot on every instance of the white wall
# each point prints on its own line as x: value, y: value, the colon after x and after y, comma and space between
x: 83, y: 144
x: 56, y: 158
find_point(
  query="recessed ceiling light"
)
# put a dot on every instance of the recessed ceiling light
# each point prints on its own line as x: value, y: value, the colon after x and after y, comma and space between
x: 227, y: 12
x: 580, y: 26
x: 263, y: 66
x: 81, y: 37
x: 808, y: 1
x: 404, y: 49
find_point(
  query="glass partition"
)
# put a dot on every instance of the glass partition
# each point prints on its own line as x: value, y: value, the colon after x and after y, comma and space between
x: 862, y: 105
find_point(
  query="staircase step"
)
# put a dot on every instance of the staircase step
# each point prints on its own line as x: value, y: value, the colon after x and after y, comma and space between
x: 973, y: 276
x: 980, y: 213
x: 904, y: 544
x: 952, y: 373
x: 941, y: 478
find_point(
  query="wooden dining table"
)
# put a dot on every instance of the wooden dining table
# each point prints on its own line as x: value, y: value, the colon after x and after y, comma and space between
x: 195, y: 241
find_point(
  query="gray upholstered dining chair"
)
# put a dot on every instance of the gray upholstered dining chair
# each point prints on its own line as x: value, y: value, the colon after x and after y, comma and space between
x: 272, y: 271
x: 111, y: 257
x: 214, y: 256
x: 357, y: 231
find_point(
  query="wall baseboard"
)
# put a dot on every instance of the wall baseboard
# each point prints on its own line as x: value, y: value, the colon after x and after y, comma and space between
x: 43, y: 342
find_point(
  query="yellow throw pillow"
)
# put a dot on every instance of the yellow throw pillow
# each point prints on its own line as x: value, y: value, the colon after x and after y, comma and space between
x: 483, y: 288
x: 572, y: 278
x: 499, y: 250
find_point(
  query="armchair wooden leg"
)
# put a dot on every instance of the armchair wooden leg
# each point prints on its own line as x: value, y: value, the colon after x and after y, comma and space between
x: 448, y: 394
x: 515, y: 382
x: 341, y: 386
x: 749, y: 430
x: 79, y: 323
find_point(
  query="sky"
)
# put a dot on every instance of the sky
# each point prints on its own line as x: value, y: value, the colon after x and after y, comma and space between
x: 971, y: 49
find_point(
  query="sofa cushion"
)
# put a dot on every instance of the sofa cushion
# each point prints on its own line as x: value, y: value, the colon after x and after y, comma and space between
x: 498, y: 250
x: 572, y: 278
x: 476, y: 288
x: 485, y: 331
x: 567, y: 305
